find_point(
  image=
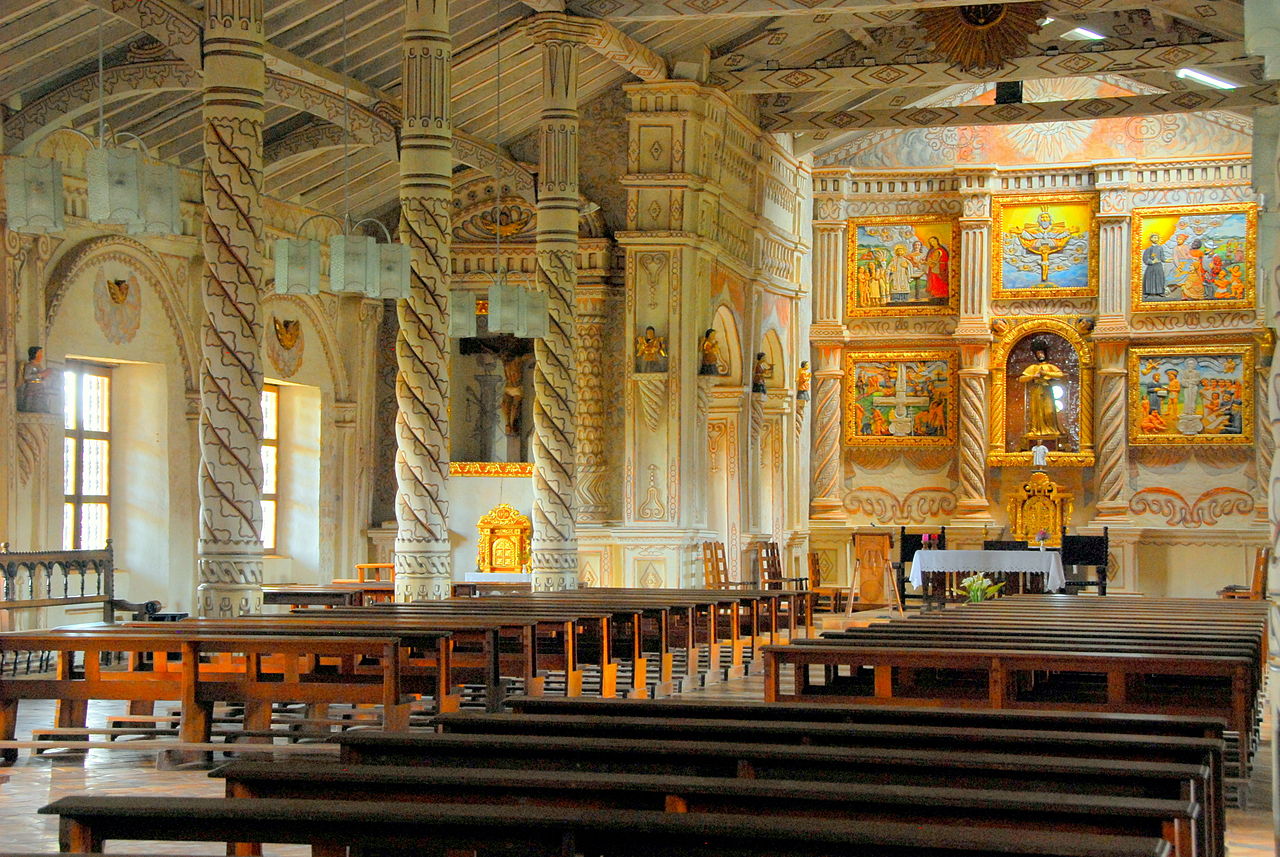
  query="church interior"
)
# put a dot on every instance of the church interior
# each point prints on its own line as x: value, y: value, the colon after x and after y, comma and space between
x: 458, y: 383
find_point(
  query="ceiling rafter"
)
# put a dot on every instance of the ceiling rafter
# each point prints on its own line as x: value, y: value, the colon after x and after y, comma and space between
x: 1074, y: 64
x: 1084, y: 109
x: 676, y: 10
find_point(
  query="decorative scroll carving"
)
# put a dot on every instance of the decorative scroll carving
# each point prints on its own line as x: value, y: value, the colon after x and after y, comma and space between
x: 1203, y: 512
x: 422, y: 344
x: 230, y: 560
x: 915, y: 507
x: 32, y: 443
x: 1178, y: 321
x: 172, y: 24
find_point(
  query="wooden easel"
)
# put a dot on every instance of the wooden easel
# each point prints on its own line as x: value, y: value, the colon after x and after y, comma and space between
x: 856, y: 579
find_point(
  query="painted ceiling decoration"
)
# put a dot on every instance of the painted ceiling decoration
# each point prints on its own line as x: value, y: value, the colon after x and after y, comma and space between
x: 983, y: 35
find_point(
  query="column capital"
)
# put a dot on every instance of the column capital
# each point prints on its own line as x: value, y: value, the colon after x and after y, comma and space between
x: 975, y: 209
x: 549, y: 28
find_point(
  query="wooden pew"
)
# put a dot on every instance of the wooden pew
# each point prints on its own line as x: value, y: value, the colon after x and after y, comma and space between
x: 424, y: 830
x: 1172, y: 820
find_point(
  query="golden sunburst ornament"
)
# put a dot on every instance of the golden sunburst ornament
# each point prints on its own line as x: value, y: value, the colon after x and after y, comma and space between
x: 983, y: 35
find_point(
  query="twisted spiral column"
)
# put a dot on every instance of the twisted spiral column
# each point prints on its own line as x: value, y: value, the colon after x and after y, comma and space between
x: 824, y: 492
x: 230, y: 426
x: 555, y: 541
x: 422, y: 343
x: 973, y: 502
x: 1111, y: 444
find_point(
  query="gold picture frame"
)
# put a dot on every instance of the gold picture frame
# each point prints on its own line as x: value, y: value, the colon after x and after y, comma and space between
x: 998, y: 454
x: 884, y: 405
x: 1192, y: 236
x: 1196, y: 411
x: 1062, y: 227
x: 877, y: 271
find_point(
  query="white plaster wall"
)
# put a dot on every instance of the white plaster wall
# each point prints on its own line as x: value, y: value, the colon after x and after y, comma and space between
x: 298, y: 519
x: 470, y: 497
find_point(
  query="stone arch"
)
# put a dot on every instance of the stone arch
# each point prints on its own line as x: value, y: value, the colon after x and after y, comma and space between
x: 149, y: 266
x: 328, y: 340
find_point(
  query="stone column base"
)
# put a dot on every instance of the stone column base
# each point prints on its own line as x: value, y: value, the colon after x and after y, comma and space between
x: 829, y: 508
x: 555, y: 569
x: 974, y: 511
x: 423, y: 576
x: 228, y: 600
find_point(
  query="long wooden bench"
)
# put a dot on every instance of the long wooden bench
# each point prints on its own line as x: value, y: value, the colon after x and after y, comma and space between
x: 88, y: 823
x: 1172, y: 820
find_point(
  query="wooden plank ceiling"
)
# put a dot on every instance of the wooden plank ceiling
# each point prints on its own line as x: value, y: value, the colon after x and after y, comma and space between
x: 47, y: 44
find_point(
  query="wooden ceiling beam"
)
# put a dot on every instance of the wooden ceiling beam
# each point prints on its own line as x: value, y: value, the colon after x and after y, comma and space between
x: 688, y: 10
x: 1084, y: 109
x: 1040, y: 67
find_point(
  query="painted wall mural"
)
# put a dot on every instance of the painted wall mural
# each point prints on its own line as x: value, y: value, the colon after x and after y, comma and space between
x: 284, y: 345
x: 900, y: 398
x: 1044, y: 246
x: 117, y: 303
x: 1199, y: 257
x: 1191, y: 394
x: 903, y: 266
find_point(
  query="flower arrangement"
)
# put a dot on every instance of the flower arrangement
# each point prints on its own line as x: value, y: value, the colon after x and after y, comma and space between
x: 1042, y: 537
x: 978, y: 588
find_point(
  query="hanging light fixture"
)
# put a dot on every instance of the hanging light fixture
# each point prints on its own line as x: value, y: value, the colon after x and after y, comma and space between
x: 512, y: 308
x: 298, y: 263
x: 33, y: 198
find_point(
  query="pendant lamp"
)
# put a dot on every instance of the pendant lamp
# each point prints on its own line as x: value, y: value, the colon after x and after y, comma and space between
x: 33, y: 195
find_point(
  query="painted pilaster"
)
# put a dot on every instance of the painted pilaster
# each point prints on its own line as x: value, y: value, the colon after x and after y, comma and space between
x: 1115, y: 206
x: 974, y: 335
x: 230, y: 548
x: 555, y: 541
x: 1111, y: 437
x: 975, y: 255
x: 593, y: 501
x: 825, y: 499
x: 422, y: 343
x: 829, y: 265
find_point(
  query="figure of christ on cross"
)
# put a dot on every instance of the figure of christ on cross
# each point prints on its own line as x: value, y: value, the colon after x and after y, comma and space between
x: 1044, y: 239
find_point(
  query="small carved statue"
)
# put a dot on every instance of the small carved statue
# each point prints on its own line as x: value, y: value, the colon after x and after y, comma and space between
x: 1039, y: 455
x: 35, y: 393
x: 651, y: 352
x: 709, y: 348
x: 759, y: 372
x: 804, y: 381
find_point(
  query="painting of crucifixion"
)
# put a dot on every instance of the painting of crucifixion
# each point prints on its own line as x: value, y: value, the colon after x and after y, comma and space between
x: 1044, y: 246
x: 900, y: 398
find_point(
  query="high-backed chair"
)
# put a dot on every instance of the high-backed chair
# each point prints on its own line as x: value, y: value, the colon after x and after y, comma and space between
x: 908, y: 544
x: 715, y: 568
x: 829, y: 599
x: 769, y: 567
x: 1257, y: 588
x: 1087, y: 550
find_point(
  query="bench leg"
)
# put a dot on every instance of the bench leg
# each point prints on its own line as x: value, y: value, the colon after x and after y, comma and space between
x: 75, y: 837
x: 8, y: 729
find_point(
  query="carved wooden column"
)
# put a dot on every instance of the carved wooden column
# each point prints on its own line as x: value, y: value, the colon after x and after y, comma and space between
x: 422, y: 345
x: 591, y: 357
x: 974, y: 335
x: 1111, y: 434
x: 825, y: 501
x: 829, y: 266
x: 230, y: 557
x: 555, y: 541
x: 1111, y: 425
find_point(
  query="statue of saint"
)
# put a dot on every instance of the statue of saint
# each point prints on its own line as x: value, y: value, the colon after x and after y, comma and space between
x: 759, y: 372
x: 651, y: 352
x: 1153, y: 259
x: 1039, y: 455
x: 1042, y: 407
x: 513, y: 391
x: 804, y: 381
x: 35, y: 393
x: 709, y: 348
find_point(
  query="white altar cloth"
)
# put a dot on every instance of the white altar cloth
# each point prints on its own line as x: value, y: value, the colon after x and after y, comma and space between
x: 990, y: 562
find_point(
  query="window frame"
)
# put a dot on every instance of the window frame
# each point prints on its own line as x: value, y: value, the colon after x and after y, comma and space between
x: 80, y: 369
x: 271, y: 438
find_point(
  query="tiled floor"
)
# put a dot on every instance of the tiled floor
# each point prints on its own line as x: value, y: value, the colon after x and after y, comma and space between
x: 35, y: 781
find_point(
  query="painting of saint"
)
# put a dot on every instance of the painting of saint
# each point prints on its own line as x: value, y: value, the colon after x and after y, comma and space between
x: 1198, y: 257
x: 1191, y: 394
x: 1043, y: 246
x: 894, y: 398
x: 902, y: 266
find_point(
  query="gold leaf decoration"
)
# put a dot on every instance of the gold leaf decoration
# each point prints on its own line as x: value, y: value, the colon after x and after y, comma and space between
x: 287, y: 332
x: 981, y: 36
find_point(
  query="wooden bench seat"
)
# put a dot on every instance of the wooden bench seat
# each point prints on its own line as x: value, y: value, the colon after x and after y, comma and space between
x: 423, y: 830
x: 1172, y: 820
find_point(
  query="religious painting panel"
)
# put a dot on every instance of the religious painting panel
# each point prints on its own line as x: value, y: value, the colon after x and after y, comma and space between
x: 1044, y: 246
x: 903, y: 265
x: 1191, y: 394
x: 1041, y: 395
x: 894, y: 398
x: 1193, y: 258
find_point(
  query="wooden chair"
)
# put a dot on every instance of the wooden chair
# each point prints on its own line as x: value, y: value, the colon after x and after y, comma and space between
x: 715, y: 568
x: 908, y: 544
x: 1257, y: 589
x: 769, y: 568
x: 1090, y: 551
x: 829, y: 599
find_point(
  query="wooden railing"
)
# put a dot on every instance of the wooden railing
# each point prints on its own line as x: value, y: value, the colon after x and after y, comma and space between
x: 58, y: 579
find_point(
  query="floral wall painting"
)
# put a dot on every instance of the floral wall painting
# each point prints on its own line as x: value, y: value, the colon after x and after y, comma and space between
x: 895, y: 398
x: 1191, y: 394
x: 904, y: 265
x: 117, y: 303
x: 1199, y: 257
x: 1044, y: 246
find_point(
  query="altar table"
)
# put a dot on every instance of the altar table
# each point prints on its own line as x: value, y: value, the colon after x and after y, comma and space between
x: 990, y: 562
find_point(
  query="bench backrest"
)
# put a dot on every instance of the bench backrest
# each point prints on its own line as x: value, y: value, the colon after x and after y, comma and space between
x: 54, y: 578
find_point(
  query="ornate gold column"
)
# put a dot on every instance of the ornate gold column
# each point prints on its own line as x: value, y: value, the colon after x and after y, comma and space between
x: 555, y: 541
x: 230, y: 549
x: 422, y: 343
x: 974, y: 334
x: 825, y: 499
